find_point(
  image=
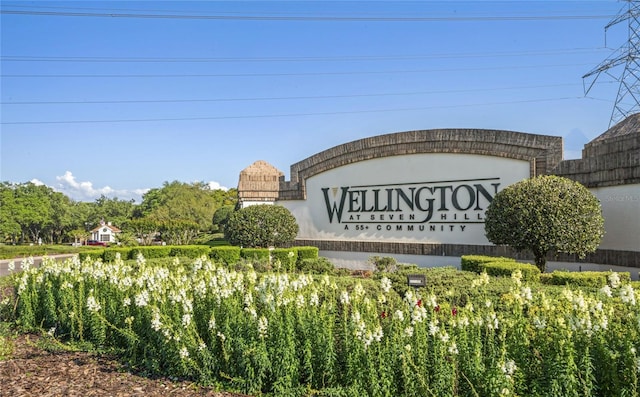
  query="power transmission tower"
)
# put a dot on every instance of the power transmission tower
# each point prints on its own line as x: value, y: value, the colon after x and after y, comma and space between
x: 628, y: 98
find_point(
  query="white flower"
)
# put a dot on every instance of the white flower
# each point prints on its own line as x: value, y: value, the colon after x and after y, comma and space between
x: 385, y: 283
x: 539, y: 323
x: 156, y: 324
x: 221, y: 336
x: 263, y: 325
x: 26, y: 263
x: 606, y: 290
x: 492, y: 321
x: 126, y: 302
x: 453, y: 348
x: 212, y: 323
x: 378, y: 334
x: 614, y: 280
x: 184, y: 353
x: 142, y: 299
x: 407, y: 347
x: 627, y: 294
x: 92, y: 304
x: 358, y: 290
x: 504, y: 391
x: 314, y: 300
x: 508, y: 367
x: 516, y: 276
x: 51, y: 331
x: 408, y: 332
x: 433, y: 327
x: 252, y: 311
x: 300, y: 301
x: 12, y: 266
x: 482, y: 280
x: 344, y: 298
x: 444, y: 337
x: 398, y: 315
x: 526, y: 293
x: 186, y: 320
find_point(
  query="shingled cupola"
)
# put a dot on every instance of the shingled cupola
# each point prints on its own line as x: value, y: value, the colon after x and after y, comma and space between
x: 259, y: 183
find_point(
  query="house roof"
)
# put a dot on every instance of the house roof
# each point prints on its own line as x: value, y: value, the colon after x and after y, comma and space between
x: 110, y: 227
x: 628, y: 126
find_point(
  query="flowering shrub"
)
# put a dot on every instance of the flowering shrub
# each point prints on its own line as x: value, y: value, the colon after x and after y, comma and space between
x: 288, y: 334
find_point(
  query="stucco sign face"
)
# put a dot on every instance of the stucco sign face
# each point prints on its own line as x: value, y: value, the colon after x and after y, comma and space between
x: 435, y: 197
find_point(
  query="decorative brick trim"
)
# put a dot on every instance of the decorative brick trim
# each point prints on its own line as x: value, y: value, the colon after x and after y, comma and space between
x: 543, y: 152
x: 606, y: 162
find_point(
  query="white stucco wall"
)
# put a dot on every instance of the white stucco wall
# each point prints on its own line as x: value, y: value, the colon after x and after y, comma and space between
x: 434, y: 184
x: 621, y: 212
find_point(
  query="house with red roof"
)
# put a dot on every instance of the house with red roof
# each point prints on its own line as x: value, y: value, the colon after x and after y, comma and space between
x: 104, y: 233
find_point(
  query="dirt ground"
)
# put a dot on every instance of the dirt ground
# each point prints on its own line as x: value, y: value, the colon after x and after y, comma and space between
x: 33, y: 371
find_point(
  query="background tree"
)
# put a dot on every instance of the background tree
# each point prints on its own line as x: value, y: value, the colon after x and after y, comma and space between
x: 145, y: 229
x: 61, y: 218
x: 179, y: 231
x: 177, y: 200
x: 221, y: 217
x: 118, y: 212
x: 543, y: 214
x: 33, y: 209
x: 261, y: 226
x: 79, y: 236
x: 10, y: 229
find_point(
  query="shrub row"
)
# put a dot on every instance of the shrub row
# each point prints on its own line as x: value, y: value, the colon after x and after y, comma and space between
x: 584, y: 279
x: 499, y: 266
x: 289, y: 258
x: 473, y: 263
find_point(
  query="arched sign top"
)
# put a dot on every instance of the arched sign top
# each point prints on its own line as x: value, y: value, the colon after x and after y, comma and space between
x: 543, y: 152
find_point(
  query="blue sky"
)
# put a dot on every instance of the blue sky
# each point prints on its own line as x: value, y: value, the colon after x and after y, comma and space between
x: 118, y: 97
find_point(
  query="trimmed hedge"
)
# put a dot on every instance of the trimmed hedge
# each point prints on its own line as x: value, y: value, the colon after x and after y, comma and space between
x: 316, y: 266
x: 151, y: 252
x: 530, y: 272
x: 94, y: 254
x: 287, y: 257
x: 255, y: 254
x: 307, y: 252
x: 471, y: 263
x: 229, y: 255
x: 585, y: 279
x: 109, y: 254
x: 189, y: 251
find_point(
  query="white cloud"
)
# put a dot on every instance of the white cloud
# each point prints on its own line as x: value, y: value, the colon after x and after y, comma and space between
x: 37, y: 182
x: 85, y: 191
x: 213, y: 185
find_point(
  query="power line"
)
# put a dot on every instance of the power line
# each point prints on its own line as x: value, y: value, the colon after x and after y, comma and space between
x: 307, y: 18
x: 282, y: 98
x: 110, y: 9
x: 351, y: 58
x: 193, y: 75
x: 279, y: 115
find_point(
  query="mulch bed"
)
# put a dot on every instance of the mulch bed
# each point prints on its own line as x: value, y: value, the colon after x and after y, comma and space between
x: 33, y: 371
